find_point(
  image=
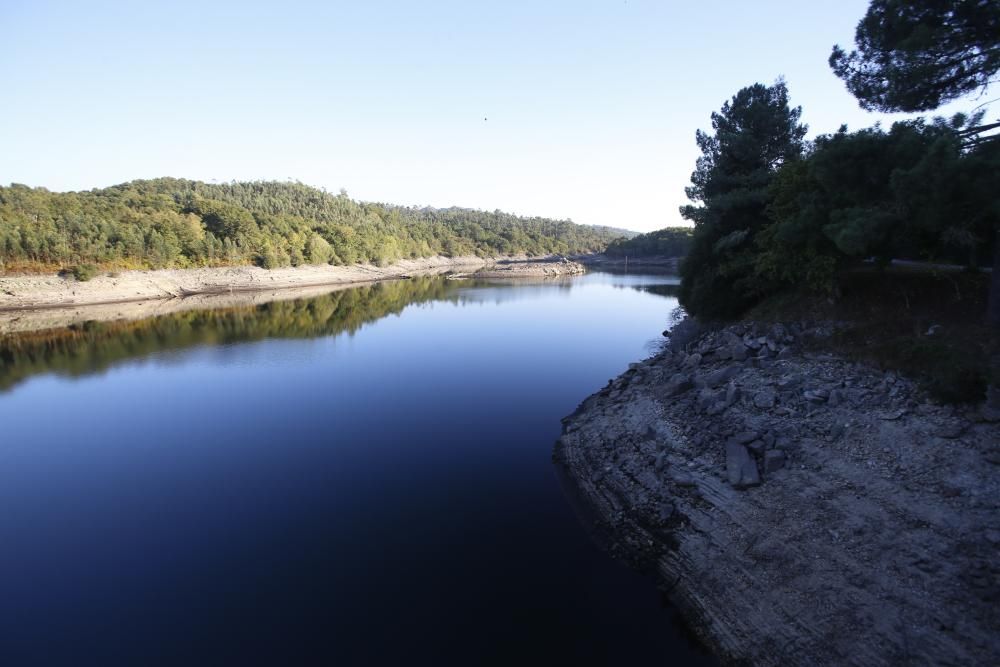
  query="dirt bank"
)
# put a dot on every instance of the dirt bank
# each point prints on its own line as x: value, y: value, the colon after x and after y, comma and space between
x: 20, y: 292
x: 521, y: 268
x: 798, y: 508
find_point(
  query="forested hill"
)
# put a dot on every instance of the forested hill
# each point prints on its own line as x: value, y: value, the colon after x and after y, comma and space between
x: 168, y: 222
x: 667, y: 242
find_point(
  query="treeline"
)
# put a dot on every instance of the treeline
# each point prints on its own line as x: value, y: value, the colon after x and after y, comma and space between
x: 167, y: 222
x: 668, y: 242
x: 772, y: 210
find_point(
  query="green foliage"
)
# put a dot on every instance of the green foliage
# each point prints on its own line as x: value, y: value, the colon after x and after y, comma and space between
x: 83, y: 272
x: 909, y: 193
x: 668, y: 242
x: 914, y: 55
x: 755, y: 134
x: 170, y: 222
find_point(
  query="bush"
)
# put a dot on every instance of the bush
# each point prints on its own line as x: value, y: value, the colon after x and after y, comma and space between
x: 83, y: 272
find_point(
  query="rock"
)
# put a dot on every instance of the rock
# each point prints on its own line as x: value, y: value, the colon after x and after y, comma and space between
x: 666, y: 510
x: 712, y: 402
x: 681, y: 478
x: 790, y: 381
x: 717, y: 408
x: 816, y: 395
x: 745, y: 437
x: 765, y: 399
x: 660, y: 461
x: 738, y: 351
x: 951, y: 431
x: 692, y: 360
x: 757, y: 448
x: 891, y: 415
x: 785, y: 353
x: 733, y: 394
x: 835, y: 398
x: 721, y: 376
x: 678, y: 384
x: 741, y: 470
x: 774, y: 460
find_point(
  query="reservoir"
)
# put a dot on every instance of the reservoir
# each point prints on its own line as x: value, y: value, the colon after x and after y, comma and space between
x: 359, y: 477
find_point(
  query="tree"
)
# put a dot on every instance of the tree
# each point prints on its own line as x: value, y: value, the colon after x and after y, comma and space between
x: 755, y: 134
x: 915, y: 55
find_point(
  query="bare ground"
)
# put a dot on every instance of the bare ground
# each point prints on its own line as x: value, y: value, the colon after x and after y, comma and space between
x: 22, y: 292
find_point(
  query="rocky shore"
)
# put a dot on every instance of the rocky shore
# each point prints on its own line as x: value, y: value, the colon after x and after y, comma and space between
x: 798, y: 508
x: 32, y: 292
x: 532, y: 268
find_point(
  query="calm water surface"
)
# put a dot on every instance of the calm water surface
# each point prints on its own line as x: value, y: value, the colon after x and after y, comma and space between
x: 358, y: 478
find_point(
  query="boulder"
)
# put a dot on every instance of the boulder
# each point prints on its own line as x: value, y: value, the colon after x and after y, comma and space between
x: 774, y: 460
x: 741, y: 470
x: 721, y: 376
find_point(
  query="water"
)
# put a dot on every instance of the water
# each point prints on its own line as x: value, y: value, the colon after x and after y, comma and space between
x: 363, y: 477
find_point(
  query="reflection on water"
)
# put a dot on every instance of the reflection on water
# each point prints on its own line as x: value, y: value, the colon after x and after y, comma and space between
x: 93, y: 346
x: 359, y: 477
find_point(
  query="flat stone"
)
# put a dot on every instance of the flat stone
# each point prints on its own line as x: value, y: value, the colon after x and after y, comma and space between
x: 816, y: 395
x: 745, y: 437
x: 741, y: 470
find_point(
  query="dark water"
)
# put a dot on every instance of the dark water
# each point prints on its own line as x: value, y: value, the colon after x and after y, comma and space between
x: 359, y: 478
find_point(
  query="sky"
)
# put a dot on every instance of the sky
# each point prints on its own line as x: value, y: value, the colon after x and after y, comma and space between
x: 564, y: 109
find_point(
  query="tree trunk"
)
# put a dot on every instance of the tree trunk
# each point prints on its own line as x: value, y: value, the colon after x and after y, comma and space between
x: 993, y: 311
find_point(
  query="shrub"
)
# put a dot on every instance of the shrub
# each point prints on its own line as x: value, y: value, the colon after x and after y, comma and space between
x: 83, y: 272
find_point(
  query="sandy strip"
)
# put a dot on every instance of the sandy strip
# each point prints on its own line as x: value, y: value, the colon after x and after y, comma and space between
x: 34, y: 302
x: 29, y: 292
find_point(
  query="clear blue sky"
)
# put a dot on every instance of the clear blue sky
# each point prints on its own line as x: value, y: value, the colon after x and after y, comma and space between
x: 590, y: 108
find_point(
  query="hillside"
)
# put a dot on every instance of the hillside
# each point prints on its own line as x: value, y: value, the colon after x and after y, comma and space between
x: 178, y: 223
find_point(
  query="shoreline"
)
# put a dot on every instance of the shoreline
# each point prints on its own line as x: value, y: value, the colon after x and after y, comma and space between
x: 25, y: 293
x: 797, y: 508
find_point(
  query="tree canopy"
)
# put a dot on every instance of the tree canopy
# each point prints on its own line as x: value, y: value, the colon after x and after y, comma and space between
x: 914, y: 55
x: 667, y: 242
x: 756, y: 133
x: 170, y: 222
